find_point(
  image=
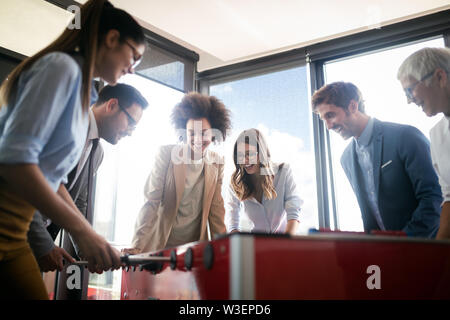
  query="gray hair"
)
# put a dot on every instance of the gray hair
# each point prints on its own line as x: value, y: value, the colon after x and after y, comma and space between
x: 423, y: 62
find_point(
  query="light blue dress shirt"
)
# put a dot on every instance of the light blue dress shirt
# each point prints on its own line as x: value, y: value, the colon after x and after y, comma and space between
x: 44, y: 123
x: 364, y: 152
x: 270, y: 216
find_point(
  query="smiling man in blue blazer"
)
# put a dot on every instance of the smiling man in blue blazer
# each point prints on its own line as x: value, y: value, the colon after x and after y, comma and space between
x: 388, y: 164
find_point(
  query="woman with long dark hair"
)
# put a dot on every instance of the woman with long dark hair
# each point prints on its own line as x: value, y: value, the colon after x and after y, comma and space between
x: 43, y: 126
x: 266, y: 191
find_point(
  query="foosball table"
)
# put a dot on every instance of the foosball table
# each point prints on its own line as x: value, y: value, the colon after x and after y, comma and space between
x: 271, y: 267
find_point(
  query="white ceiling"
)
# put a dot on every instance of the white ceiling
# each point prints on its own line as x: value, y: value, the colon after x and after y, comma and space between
x: 229, y: 31
x: 26, y: 26
x: 222, y: 32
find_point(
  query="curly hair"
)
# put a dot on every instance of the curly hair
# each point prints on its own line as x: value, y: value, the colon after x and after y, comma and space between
x: 196, y: 106
x: 240, y: 180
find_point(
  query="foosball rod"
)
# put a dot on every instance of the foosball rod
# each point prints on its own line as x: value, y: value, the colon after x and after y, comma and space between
x: 131, y: 261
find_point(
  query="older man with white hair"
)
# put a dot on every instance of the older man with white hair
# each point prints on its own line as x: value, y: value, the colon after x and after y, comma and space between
x: 424, y: 76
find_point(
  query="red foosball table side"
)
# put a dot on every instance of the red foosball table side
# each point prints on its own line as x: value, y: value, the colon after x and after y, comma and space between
x: 249, y: 266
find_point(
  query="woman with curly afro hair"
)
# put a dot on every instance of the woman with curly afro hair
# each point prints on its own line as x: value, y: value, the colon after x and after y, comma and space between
x: 183, y: 192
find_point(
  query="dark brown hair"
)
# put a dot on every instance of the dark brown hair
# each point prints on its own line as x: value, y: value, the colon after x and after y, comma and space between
x: 124, y: 93
x: 240, y: 180
x: 339, y: 94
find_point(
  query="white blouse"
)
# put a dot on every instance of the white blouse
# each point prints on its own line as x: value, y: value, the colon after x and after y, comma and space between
x: 270, y: 216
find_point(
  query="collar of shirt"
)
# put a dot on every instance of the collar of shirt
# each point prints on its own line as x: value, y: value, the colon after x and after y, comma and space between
x: 196, y: 162
x: 366, y: 136
x: 92, y: 134
x: 276, y: 171
x: 93, y: 129
x: 448, y: 120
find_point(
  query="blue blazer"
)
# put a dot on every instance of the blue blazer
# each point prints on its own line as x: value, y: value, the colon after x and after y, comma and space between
x: 409, y: 195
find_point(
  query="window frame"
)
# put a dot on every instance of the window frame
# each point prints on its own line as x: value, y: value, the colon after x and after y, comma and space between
x: 315, y: 56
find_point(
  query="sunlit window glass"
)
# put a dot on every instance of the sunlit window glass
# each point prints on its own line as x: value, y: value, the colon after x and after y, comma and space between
x: 375, y: 74
x: 122, y: 175
x: 276, y: 104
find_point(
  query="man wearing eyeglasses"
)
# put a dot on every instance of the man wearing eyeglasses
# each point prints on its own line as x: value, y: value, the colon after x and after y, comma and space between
x: 114, y: 116
x: 424, y: 76
x: 388, y: 164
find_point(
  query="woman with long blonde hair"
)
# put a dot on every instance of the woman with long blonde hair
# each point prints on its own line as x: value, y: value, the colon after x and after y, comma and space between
x: 43, y: 127
x: 266, y: 191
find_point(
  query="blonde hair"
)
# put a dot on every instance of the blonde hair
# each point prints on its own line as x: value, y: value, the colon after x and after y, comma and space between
x: 240, y: 180
x: 424, y: 61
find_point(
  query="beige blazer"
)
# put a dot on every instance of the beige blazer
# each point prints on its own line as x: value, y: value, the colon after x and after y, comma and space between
x: 163, y: 192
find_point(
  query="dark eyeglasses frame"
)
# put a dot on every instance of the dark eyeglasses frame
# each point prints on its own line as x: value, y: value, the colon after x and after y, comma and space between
x: 131, y: 122
x: 250, y: 156
x: 137, y: 58
x: 409, y: 90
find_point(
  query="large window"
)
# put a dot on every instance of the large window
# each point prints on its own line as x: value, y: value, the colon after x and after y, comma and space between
x: 121, y: 177
x: 277, y: 104
x: 375, y: 74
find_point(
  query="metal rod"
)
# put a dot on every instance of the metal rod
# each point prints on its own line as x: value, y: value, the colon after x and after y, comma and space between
x: 141, y: 260
x: 131, y: 260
